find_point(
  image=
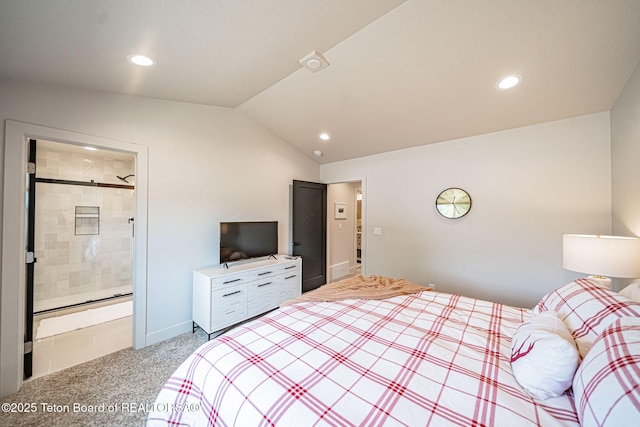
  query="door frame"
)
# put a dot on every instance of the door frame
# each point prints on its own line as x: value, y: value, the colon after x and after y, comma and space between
x: 30, y: 227
x: 12, y: 292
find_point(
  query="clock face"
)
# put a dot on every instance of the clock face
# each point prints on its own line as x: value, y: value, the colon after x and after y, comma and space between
x: 453, y: 203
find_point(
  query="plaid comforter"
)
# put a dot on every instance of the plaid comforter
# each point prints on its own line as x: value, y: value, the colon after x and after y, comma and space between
x: 427, y: 358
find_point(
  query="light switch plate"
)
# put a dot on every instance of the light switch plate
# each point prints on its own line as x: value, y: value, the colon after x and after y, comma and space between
x: 377, y: 231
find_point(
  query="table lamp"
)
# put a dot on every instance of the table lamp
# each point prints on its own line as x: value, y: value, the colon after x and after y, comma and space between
x: 611, y: 256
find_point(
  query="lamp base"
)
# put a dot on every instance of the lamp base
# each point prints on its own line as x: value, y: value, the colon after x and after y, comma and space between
x: 605, y: 282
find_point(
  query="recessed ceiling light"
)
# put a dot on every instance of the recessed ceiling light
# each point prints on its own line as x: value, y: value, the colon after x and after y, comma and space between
x: 142, y: 60
x: 508, y: 82
x: 324, y: 136
x: 91, y: 148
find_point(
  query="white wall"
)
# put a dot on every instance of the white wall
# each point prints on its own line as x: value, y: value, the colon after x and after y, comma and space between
x: 625, y: 157
x: 528, y: 187
x: 206, y: 164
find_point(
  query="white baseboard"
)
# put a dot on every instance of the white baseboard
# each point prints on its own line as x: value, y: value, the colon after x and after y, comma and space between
x: 339, y: 270
x: 165, y: 334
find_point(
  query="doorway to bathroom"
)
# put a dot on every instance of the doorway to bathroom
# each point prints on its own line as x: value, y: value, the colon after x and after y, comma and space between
x: 345, y: 243
x: 15, y: 344
x: 80, y: 210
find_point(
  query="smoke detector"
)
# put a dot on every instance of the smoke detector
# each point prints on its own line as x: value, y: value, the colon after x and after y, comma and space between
x: 314, y: 62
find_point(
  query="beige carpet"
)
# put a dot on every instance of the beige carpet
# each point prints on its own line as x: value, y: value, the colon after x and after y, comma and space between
x: 117, y: 387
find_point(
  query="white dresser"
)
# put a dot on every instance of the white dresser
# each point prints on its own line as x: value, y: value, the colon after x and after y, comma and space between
x: 224, y: 296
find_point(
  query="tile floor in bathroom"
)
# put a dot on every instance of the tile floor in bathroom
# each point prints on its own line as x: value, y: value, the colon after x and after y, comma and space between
x: 53, y: 354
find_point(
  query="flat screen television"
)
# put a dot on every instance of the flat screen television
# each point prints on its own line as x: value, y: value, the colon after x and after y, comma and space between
x: 245, y: 240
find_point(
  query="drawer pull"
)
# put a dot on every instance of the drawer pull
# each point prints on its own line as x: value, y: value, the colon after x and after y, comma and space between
x: 290, y: 277
x: 264, y: 284
x: 263, y: 273
x: 232, y: 293
x: 291, y: 266
x: 231, y: 281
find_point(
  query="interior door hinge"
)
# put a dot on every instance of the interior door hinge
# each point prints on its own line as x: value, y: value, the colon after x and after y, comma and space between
x: 28, y: 347
x: 31, y: 168
x: 30, y: 258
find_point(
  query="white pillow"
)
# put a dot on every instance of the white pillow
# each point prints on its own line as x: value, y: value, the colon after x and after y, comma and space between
x: 632, y: 292
x: 544, y: 356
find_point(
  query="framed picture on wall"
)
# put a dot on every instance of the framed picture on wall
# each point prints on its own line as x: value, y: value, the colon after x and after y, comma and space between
x: 340, y: 211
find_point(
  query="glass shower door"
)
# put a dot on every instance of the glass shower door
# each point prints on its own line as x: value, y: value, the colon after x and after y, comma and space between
x: 83, y: 231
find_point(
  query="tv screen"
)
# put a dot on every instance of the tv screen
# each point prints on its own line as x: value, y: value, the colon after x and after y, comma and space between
x: 244, y: 240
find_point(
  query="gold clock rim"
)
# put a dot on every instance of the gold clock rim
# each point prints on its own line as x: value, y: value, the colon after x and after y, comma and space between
x: 440, y: 202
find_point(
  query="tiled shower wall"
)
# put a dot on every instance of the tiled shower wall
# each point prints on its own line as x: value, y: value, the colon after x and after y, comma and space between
x: 89, y: 257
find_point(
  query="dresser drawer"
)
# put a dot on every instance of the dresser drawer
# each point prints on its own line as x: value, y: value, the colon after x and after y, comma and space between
x: 264, y: 272
x: 289, y: 267
x: 228, y: 306
x: 223, y: 282
x: 263, y: 295
x: 268, y: 294
x: 290, y: 285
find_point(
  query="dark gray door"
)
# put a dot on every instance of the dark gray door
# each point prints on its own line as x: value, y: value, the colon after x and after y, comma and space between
x: 309, y: 231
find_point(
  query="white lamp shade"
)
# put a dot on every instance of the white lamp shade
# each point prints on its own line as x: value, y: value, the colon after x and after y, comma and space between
x: 611, y: 256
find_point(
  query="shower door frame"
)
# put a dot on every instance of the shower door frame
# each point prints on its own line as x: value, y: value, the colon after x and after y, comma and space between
x: 13, y: 287
x: 30, y: 261
x: 35, y: 179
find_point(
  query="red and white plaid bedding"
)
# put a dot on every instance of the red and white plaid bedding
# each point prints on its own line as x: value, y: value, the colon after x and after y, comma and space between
x: 423, y: 359
x: 587, y: 309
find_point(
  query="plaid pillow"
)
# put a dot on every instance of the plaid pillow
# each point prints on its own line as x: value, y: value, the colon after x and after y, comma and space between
x: 587, y: 309
x: 606, y: 386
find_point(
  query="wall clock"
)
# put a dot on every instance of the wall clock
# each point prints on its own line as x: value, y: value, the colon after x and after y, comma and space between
x: 453, y: 203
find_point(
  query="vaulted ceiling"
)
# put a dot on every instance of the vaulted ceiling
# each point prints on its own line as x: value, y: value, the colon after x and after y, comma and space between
x: 400, y: 74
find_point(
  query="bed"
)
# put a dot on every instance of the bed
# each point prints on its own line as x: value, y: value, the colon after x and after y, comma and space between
x: 419, y: 358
